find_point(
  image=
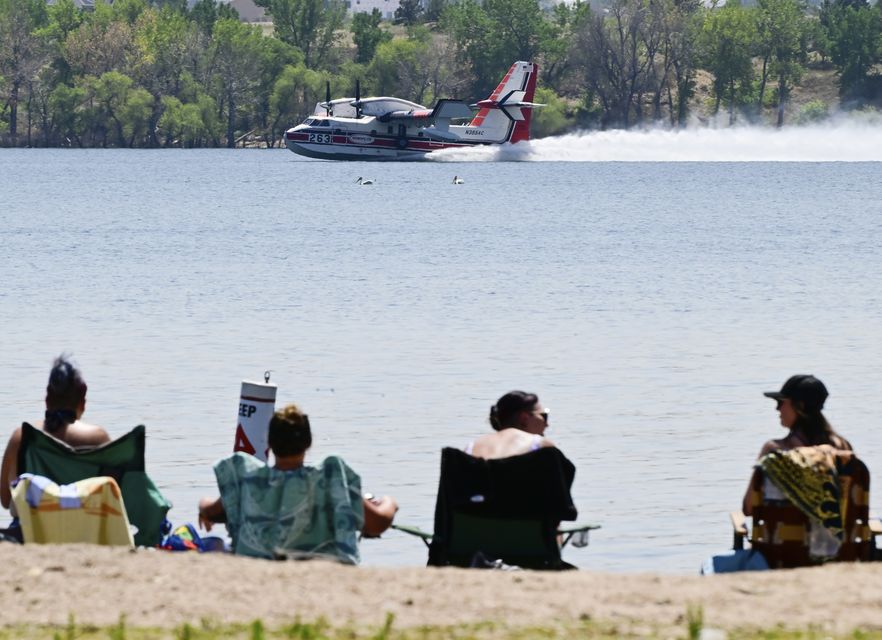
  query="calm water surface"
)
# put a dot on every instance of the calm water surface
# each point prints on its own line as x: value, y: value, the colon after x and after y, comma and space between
x: 649, y: 304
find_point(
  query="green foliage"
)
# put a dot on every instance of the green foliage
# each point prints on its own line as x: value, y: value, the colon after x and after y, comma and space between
x: 782, y: 29
x: 22, y: 51
x: 307, y: 630
x: 128, y: 10
x: 812, y: 112
x: 386, y: 629
x: 309, y: 25
x: 552, y: 119
x: 409, y: 12
x: 190, y: 124
x: 294, y: 92
x: 854, y: 35
x: 492, y: 34
x: 725, y: 43
x: 163, y: 44
x: 118, y: 631
x: 236, y: 56
x: 367, y: 34
x: 206, y: 12
x: 694, y: 621
x: 391, y: 61
x: 64, y: 102
x: 150, y: 73
x: 63, y: 17
x: 435, y: 9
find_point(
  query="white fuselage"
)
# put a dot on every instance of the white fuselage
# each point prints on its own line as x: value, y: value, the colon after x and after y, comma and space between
x: 334, y: 132
x: 384, y: 128
x: 366, y: 138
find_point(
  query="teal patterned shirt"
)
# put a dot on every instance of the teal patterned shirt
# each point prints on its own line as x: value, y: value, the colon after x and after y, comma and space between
x: 312, y: 509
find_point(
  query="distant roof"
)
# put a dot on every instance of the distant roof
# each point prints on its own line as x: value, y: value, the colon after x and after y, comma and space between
x: 87, y: 5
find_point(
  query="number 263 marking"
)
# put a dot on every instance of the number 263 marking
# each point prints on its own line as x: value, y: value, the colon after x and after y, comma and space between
x: 321, y: 138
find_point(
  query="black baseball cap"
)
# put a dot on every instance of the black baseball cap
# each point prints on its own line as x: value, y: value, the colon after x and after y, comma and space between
x: 804, y: 388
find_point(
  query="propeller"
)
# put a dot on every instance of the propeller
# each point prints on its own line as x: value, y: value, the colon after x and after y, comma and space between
x: 357, y: 103
x: 327, y: 97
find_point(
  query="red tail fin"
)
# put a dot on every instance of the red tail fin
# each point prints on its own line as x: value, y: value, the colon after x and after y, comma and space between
x: 505, y: 115
x: 522, y: 127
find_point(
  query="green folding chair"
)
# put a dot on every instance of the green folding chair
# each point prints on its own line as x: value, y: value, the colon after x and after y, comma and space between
x: 504, y: 511
x: 122, y: 459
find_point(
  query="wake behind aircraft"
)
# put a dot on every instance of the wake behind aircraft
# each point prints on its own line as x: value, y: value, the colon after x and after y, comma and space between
x: 386, y: 128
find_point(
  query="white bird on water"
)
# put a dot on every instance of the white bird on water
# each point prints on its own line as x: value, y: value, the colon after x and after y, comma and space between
x: 458, y: 180
x: 363, y: 181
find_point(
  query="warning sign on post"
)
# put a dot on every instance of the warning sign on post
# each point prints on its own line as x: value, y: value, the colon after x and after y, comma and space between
x: 257, y: 403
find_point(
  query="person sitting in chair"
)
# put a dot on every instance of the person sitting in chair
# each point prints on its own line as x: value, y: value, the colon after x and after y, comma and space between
x: 293, y: 507
x: 519, y: 421
x: 65, y: 405
x: 799, y: 404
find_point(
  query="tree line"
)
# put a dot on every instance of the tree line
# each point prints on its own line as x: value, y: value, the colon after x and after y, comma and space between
x: 136, y: 73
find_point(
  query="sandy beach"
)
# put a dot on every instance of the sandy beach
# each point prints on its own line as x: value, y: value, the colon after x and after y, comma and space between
x: 45, y: 584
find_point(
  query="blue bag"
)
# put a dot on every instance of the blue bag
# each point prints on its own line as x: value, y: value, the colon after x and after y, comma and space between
x: 738, y: 560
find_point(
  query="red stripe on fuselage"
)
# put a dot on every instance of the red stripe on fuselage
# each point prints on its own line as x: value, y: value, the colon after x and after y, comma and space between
x: 413, y: 144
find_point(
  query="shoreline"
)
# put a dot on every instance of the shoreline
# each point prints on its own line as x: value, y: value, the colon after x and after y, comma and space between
x: 46, y: 585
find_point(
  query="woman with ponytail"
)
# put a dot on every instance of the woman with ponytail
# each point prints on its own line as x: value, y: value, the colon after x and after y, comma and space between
x: 65, y: 404
x: 519, y: 421
x: 799, y: 404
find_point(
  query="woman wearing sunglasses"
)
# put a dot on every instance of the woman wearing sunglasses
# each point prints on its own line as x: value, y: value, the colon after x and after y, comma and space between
x: 799, y: 404
x: 519, y: 421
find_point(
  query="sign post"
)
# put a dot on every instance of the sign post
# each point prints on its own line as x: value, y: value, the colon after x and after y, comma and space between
x: 257, y: 403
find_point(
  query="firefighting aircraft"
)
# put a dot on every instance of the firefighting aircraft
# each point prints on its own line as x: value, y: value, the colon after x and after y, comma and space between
x: 386, y: 128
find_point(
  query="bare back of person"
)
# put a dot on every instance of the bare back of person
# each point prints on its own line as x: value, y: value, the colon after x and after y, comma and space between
x: 65, y: 404
x: 80, y: 434
x: 795, y: 439
x: 77, y: 434
x: 506, y: 443
x: 519, y: 422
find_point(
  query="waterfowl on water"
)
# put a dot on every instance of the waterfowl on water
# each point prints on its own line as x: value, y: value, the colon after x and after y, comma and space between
x: 458, y: 180
x: 364, y: 180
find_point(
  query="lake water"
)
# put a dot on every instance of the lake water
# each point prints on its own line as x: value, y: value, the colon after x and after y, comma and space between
x: 649, y: 305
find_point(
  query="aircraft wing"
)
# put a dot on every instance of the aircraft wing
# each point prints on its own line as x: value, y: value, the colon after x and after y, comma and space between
x: 451, y: 109
x: 445, y: 109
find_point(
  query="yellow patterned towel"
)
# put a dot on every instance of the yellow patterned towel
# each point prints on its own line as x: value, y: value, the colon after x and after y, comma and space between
x: 90, y: 510
x: 808, y: 477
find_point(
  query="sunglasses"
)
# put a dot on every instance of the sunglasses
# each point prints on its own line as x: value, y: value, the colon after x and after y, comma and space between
x: 543, y: 415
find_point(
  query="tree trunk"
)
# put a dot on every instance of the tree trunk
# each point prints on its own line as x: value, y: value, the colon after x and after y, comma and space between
x: 231, y: 121
x: 153, y: 122
x: 782, y: 99
x: 731, y: 103
x: 13, y: 114
x: 762, y: 90
x: 30, y: 119
x: 121, y: 139
x: 682, y: 103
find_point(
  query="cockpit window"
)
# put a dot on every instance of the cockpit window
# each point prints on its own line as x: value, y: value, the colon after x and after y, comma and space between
x: 324, y: 123
x: 308, y: 122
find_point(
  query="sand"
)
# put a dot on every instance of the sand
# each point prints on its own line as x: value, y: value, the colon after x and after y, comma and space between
x: 43, y: 584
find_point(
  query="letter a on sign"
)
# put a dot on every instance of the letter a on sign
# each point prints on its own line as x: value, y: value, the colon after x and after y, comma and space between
x: 242, y: 441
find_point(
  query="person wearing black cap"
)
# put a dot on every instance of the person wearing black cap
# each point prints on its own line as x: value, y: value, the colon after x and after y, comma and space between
x: 519, y: 421
x: 799, y: 404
